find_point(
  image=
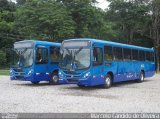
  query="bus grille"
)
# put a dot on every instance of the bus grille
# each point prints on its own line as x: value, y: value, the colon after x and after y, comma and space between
x: 18, y: 70
x: 69, y: 76
x: 71, y: 72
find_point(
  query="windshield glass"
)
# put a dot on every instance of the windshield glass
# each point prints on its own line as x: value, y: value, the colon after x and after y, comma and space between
x: 22, y: 57
x: 75, y: 58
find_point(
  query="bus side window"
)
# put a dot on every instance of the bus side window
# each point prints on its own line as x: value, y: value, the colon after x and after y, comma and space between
x: 127, y: 54
x: 97, y: 56
x: 141, y: 55
x: 152, y: 56
x: 118, y: 53
x: 42, y: 56
x: 55, y: 53
x: 148, y: 56
x: 108, y: 52
x: 135, y: 55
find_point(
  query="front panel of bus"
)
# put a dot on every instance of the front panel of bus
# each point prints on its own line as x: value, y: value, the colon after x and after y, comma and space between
x: 79, y: 63
x: 23, y: 61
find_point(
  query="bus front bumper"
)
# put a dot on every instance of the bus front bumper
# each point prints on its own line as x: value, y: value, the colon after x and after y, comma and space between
x: 22, y: 78
x: 85, y: 82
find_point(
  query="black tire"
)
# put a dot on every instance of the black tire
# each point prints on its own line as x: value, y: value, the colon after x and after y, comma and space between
x: 81, y: 86
x: 55, y: 79
x: 141, y: 77
x: 35, y: 82
x: 108, y: 81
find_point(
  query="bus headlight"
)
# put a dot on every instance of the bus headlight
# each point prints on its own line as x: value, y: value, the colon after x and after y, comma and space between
x: 11, y: 72
x: 86, y: 75
x: 60, y: 74
x: 30, y: 72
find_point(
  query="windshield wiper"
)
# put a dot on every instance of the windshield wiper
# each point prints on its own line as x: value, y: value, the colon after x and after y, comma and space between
x: 78, y: 51
x: 74, y: 55
x: 21, y: 58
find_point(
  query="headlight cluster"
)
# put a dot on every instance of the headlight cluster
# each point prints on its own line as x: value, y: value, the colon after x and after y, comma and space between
x: 86, y: 75
x: 60, y: 74
x: 11, y: 72
x: 30, y: 72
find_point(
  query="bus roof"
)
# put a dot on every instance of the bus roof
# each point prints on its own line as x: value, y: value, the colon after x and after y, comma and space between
x: 113, y: 43
x: 39, y: 42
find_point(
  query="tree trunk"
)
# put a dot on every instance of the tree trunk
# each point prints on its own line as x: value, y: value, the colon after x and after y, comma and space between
x: 156, y: 28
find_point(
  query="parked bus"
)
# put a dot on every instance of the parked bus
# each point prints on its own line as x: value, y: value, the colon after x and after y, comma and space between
x: 35, y: 61
x: 91, y: 62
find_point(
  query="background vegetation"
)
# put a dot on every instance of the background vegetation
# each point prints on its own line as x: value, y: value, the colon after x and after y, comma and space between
x: 128, y: 21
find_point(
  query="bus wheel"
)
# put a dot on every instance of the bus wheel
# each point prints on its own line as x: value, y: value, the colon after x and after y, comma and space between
x: 81, y: 86
x: 108, y: 81
x: 141, y: 78
x: 55, y: 79
x: 36, y: 82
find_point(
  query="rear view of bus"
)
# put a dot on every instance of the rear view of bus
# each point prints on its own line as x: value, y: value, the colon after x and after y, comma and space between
x: 35, y: 61
x: 91, y: 62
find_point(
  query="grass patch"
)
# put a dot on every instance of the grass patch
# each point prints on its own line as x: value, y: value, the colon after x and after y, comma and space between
x: 4, y: 72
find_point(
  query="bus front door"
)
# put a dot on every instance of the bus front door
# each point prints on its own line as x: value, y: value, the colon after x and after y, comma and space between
x: 41, y: 67
x: 97, y: 63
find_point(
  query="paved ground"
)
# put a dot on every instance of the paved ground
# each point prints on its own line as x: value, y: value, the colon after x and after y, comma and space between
x: 19, y: 96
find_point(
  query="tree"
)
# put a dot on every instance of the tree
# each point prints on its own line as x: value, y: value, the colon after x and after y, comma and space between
x: 81, y: 11
x: 156, y: 28
x: 7, y: 11
x: 132, y: 18
x: 44, y: 19
x: 2, y: 58
x: 21, y: 2
x: 89, y: 20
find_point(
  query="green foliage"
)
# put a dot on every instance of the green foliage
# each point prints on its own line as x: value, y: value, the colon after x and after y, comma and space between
x: 21, y: 2
x: 89, y: 20
x: 127, y: 21
x: 44, y: 20
x: 4, y: 72
x: 2, y: 58
x: 7, y: 17
x: 131, y: 17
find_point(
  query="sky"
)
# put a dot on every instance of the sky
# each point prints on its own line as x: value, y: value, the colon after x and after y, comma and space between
x: 103, y: 4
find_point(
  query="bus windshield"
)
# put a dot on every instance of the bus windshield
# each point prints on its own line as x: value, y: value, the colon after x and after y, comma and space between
x: 75, y: 58
x: 22, y: 57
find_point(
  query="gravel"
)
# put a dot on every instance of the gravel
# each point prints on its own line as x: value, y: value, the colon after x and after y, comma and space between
x: 126, y: 97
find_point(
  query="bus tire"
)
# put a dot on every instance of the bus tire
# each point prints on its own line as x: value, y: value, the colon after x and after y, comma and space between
x: 35, y: 82
x: 81, y: 86
x: 108, y: 81
x: 141, y: 77
x: 55, y: 79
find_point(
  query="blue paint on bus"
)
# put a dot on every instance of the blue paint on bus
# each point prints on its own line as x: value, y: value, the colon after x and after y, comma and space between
x: 83, y: 69
x: 32, y: 61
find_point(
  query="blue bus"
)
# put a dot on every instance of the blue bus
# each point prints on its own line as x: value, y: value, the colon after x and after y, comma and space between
x: 91, y: 62
x: 35, y: 61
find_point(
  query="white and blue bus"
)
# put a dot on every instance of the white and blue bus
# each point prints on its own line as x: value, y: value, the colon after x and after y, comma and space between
x: 91, y: 62
x: 35, y: 61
